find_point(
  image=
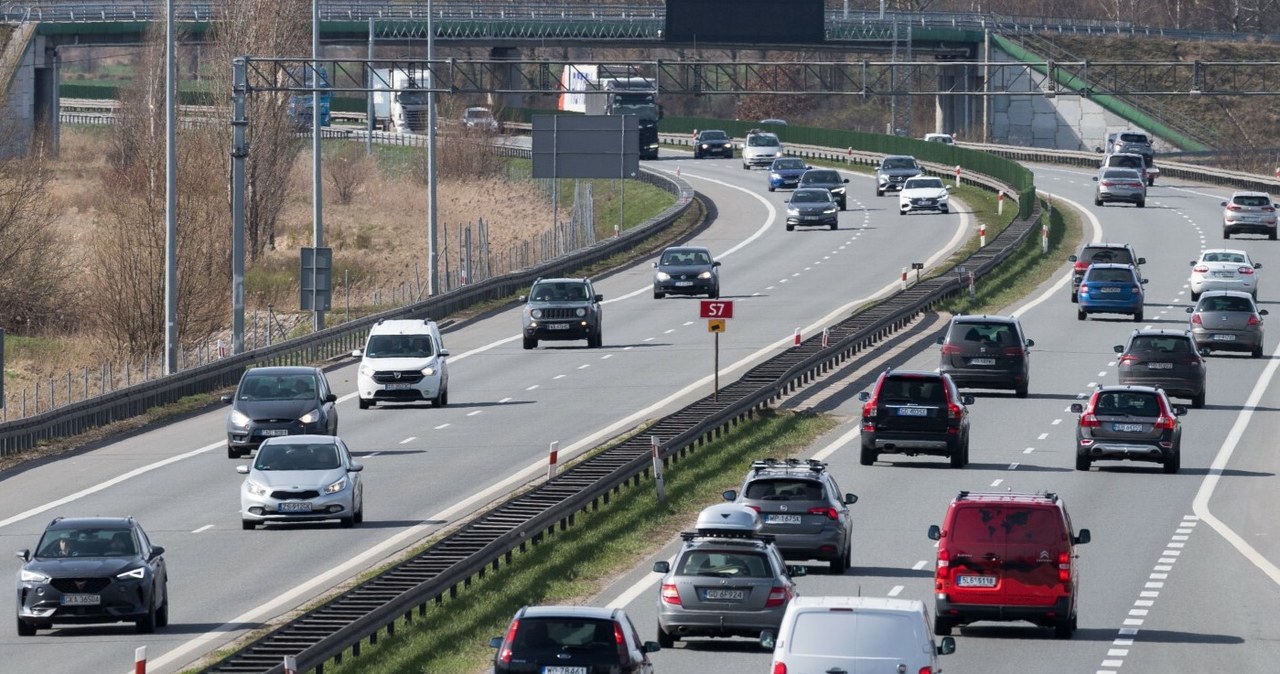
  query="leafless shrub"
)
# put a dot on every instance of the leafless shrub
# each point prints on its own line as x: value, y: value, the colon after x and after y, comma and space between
x: 348, y: 169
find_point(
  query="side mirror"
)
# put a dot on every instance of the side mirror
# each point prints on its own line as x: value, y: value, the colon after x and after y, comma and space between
x: 1193, y: 263
x: 729, y: 495
x: 1098, y: 150
x: 24, y: 554
x: 655, y: 265
x: 948, y: 646
x: 1030, y: 342
x: 1191, y: 310
x: 797, y: 570
x: 768, y: 639
x: 715, y: 264
x: 243, y: 469
x: 1095, y: 179
x: 156, y: 551
x: 935, y: 532
x: 1142, y: 260
x: 1077, y: 408
x: 357, y: 353
x: 662, y: 567
x: 1179, y: 410
x: 1118, y: 348
x: 495, y: 642
x: 846, y: 180
x: 1223, y: 204
x: 1070, y: 258
x: 599, y: 298
x: 331, y: 398
x: 1204, y: 352
x: 850, y: 499
x: 444, y: 353
x: 967, y: 399
x: 1144, y: 281
x: 228, y: 397
x: 355, y: 467
x: 1262, y: 312
x: 651, y: 647
x: 1083, y: 537
x: 1257, y: 265
x: 864, y: 396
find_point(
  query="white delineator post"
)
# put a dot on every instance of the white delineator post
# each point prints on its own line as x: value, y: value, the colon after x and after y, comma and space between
x: 904, y: 278
x: 1044, y: 239
x: 826, y: 337
x: 140, y: 660
x: 657, y: 468
x: 982, y: 236
x: 290, y: 665
x: 796, y: 341
x: 1000, y: 204
x: 553, y: 456
x: 957, y: 175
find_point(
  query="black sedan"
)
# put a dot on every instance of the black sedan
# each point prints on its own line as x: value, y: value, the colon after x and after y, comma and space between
x: 713, y: 142
x: 273, y: 401
x: 686, y: 270
x: 93, y: 570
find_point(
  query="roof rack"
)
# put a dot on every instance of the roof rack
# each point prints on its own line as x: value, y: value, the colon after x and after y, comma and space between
x: 726, y: 534
x: 770, y: 462
x: 965, y: 493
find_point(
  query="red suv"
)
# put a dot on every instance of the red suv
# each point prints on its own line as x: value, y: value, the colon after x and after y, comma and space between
x: 1006, y: 556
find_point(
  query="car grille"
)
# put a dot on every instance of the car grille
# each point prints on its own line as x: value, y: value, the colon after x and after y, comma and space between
x: 80, y: 585
x: 559, y: 313
x: 286, y: 495
x: 398, y: 377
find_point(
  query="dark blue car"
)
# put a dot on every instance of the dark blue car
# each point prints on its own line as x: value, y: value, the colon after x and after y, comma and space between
x: 1110, y: 289
x: 785, y: 172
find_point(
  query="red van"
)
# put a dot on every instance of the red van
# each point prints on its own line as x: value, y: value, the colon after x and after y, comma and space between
x: 1006, y: 556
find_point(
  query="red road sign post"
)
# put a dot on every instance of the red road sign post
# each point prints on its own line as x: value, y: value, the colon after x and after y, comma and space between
x: 715, y: 311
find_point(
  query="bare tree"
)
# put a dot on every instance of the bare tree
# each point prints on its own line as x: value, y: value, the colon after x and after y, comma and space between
x: 348, y: 169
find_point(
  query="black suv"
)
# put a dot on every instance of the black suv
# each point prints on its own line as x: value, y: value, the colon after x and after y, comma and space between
x: 584, y: 639
x: 1166, y: 359
x: 1129, y: 423
x: 1119, y: 253
x: 713, y: 141
x: 830, y: 180
x: 915, y: 412
x: 801, y: 507
x: 987, y: 352
x: 563, y: 309
x: 93, y: 570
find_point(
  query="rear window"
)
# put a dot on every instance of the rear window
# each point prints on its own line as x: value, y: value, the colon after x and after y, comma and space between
x: 1122, y: 174
x: 1134, y: 138
x: 713, y: 135
x: 1126, y: 161
x: 1135, y: 403
x: 980, y: 333
x: 820, y: 177
x: 784, y: 489
x: 1118, y: 255
x: 1223, y: 257
x: 846, y: 633
x: 987, y: 524
x: 1110, y: 275
x: 913, y: 389
x: 1251, y: 200
x: 899, y: 163
x: 762, y: 140
x: 1225, y: 304
x: 1161, y: 345
x: 553, y: 635
x: 721, y: 564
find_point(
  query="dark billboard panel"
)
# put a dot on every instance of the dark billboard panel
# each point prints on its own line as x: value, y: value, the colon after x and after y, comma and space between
x: 745, y: 21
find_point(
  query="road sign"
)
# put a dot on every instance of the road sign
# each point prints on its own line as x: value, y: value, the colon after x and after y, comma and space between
x: 716, y: 309
x: 715, y: 325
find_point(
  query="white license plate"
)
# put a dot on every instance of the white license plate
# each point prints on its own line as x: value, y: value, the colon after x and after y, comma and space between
x: 564, y: 670
x: 1127, y: 428
x: 913, y: 411
x: 781, y: 519
x: 399, y: 387
x: 557, y: 326
x: 294, y: 507
x: 81, y: 600
x: 1224, y: 338
x: 273, y: 432
x: 1108, y: 290
x: 1159, y: 366
x: 724, y: 595
x: 982, y: 361
x: 683, y: 284
x: 1223, y: 274
x: 976, y: 581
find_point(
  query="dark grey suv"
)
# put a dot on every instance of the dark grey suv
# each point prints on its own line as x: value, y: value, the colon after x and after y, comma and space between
x: 1129, y: 423
x: 828, y: 179
x: 987, y: 352
x: 563, y: 309
x: 893, y: 171
x: 279, y: 400
x: 915, y: 412
x: 1166, y: 359
x: 578, y: 639
x: 802, y: 507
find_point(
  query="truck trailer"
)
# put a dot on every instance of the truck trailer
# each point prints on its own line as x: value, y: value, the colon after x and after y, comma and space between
x: 593, y: 94
x: 400, y: 102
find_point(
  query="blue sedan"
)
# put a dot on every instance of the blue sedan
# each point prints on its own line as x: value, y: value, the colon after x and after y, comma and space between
x: 785, y: 172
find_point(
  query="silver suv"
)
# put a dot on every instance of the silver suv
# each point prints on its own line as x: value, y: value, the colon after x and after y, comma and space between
x: 725, y: 581
x: 893, y: 171
x: 760, y: 149
x: 802, y: 509
x: 563, y: 309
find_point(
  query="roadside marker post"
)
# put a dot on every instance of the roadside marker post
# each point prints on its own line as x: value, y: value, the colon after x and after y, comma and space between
x: 796, y: 342
x: 657, y: 469
x: 957, y: 175
x: 982, y: 236
x: 717, y: 313
x: 140, y: 660
x: 553, y: 457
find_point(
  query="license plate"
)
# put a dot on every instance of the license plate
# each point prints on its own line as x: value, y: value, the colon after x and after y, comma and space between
x: 718, y: 594
x: 557, y: 326
x: 273, y: 432
x: 1108, y: 290
x: 976, y: 581
x: 683, y: 284
x: 1159, y: 366
x: 1223, y: 274
x: 813, y: 217
x: 781, y: 519
x: 913, y: 411
x: 399, y: 387
x: 1224, y: 338
x: 81, y: 599
x: 982, y: 361
x: 564, y: 670
x: 294, y: 507
x: 1127, y: 428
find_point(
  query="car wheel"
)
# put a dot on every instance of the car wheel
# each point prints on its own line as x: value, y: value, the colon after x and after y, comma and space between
x: 1257, y: 351
x: 1142, y: 204
x: 1173, y: 462
x: 771, y: 188
x: 791, y: 228
x: 715, y: 293
x: 248, y: 525
x: 1272, y: 235
x: 1064, y: 629
x: 944, y: 210
x: 359, y: 516
x: 942, y: 626
x: 233, y: 453
x: 1097, y: 202
x: 1226, y: 234
x: 347, y: 522
x: 665, y: 640
x: 1074, y: 298
x: 746, y: 167
x: 26, y: 629
x: 1082, y: 461
x: 162, y: 613
x: 442, y: 399
x: 844, y: 205
x: 1197, y: 401
x: 147, y: 623
x: 1022, y: 390
x: 879, y: 192
x: 597, y: 340
x: 1137, y: 316
x: 901, y: 212
x: 957, y: 455
x: 839, y: 566
x: 869, y: 456
x: 1151, y: 182
x: 833, y: 226
x: 530, y: 343
x: 1195, y: 296
x: 1081, y: 315
x: 362, y: 403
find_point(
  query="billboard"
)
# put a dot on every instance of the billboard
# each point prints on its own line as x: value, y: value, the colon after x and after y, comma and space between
x: 586, y: 146
x: 749, y: 22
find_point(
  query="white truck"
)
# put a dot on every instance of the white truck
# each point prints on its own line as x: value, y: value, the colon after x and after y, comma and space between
x: 400, y: 103
x: 586, y: 91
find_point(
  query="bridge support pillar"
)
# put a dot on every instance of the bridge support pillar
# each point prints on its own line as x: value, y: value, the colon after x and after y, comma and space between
x: 959, y: 114
x: 505, y: 78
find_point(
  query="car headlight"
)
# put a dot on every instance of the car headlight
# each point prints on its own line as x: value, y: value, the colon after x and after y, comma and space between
x: 366, y: 370
x: 32, y: 577
x: 837, y: 190
x: 536, y: 313
x: 310, y: 417
x: 255, y: 488
x: 829, y: 210
x: 429, y: 371
x: 580, y: 312
x: 775, y: 176
x: 705, y: 146
x: 705, y: 275
x: 238, y: 419
x: 137, y: 574
x: 336, y: 486
x: 793, y: 211
x: 662, y: 276
x: 777, y: 154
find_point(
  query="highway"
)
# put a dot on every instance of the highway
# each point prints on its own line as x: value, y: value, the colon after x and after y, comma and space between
x: 1181, y: 574
x: 426, y: 468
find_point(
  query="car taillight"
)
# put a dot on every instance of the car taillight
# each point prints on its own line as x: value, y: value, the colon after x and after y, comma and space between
x: 1128, y: 359
x: 504, y: 655
x: 1195, y: 319
x: 622, y: 643
x: 777, y: 596
x: 926, y: 670
x: 1089, y: 420
x: 830, y: 513
x: 754, y: 507
x: 1081, y: 265
x: 1268, y: 209
x: 954, y: 410
x: 869, y: 415
x: 1064, y: 567
x: 1108, y: 183
x: 1136, y: 289
x: 1084, y: 287
x: 1253, y: 320
x: 1013, y: 351
x: 950, y: 350
x: 1247, y: 271
x: 670, y: 595
x: 943, y: 572
x: 1234, y: 207
x: 1164, y: 422
x: 1200, y: 269
x: 779, y: 668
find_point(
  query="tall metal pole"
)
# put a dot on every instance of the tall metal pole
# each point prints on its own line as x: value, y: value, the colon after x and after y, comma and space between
x: 170, y: 198
x: 317, y: 210
x: 368, y: 104
x: 239, y: 151
x: 432, y: 254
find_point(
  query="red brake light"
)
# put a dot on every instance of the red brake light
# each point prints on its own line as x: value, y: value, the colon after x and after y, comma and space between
x: 670, y: 595
x: 1164, y: 423
x: 943, y: 572
x: 1253, y: 320
x: 1064, y: 567
x: 1195, y: 319
x: 1089, y: 420
x: 954, y: 410
x: 869, y: 411
x: 1013, y: 351
x: 1107, y: 183
x: 1084, y: 288
x: 621, y: 641
x: 950, y: 350
x: 1128, y: 359
x: 754, y: 507
x: 1081, y: 265
x: 505, y: 655
x: 1233, y: 207
x: 779, y: 668
x: 777, y: 596
x: 1268, y: 209
x: 1200, y: 268
x: 1247, y: 271
x: 926, y: 670
x: 829, y: 512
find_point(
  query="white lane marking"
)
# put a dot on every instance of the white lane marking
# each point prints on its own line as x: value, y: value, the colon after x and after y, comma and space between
x: 1013, y: 466
x: 441, y: 426
x: 606, y: 356
x: 203, y: 528
x: 530, y: 388
x: 647, y: 339
x: 409, y: 439
x: 687, y: 323
x: 997, y: 482
x: 504, y: 400
x: 370, y: 455
x: 669, y: 331
x: 1103, y: 373
x: 1028, y: 450
x: 1042, y: 436
x: 474, y: 412
x: 919, y: 565
x: 560, y: 376
x: 897, y: 590
x: 1055, y: 422
x: 584, y: 366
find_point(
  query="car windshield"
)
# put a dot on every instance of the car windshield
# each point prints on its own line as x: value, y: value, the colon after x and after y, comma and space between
x: 924, y: 184
x: 1110, y: 275
x: 1133, y: 138
x: 899, y: 163
x: 473, y: 113
x: 1225, y: 303
x: 820, y: 177
x: 684, y: 258
x: 1119, y: 255
x: 95, y: 542
x: 559, y: 292
x: 278, y: 387
x: 722, y: 564
x: 544, y: 638
x: 400, y: 346
x: 297, y: 457
x: 810, y: 197
x: 1251, y: 200
x: 1235, y: 258
x: 784, y: 489
x: 763, y: 140
x: 713, y: 135
x: 788, y: 163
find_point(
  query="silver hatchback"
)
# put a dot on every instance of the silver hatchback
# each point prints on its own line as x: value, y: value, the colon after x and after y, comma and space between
x: 1226, y: 320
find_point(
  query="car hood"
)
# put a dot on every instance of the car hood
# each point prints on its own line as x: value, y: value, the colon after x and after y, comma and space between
x: 276, y: 409
x: 86, y: 567
x: 812, y: 207
x: 559, y: 305
x: 404, y: 364
x: 788, y: 172
x: 899, y: 172
x: 924, y: 193
x: 297, y: 479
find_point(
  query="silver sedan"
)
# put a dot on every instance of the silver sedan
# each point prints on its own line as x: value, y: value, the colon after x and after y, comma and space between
x: 1226, y: 320
x: 301, y: 478
x: 1120, y: 184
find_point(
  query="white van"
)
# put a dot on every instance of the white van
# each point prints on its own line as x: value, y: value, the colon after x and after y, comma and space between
x: 403, y: 361
x: 855, y: 634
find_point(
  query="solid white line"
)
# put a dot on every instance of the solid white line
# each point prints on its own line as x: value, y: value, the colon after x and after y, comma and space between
x: 504, y: 400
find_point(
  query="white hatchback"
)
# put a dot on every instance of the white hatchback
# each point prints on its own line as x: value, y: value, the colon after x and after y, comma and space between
x: 856, y: 634
x: 1224, y: 269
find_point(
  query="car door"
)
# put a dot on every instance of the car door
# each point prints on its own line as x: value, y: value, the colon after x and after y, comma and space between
x: 1035, y: 541
x: 977, y: 548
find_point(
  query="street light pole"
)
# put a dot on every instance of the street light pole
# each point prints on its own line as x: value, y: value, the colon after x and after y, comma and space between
x: 170, y: 199
x: 432, y: 242
x: 317, y: 210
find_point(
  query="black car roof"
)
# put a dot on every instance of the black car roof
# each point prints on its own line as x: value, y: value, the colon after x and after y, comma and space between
x: 63, y: 523
x: 279, y: 370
